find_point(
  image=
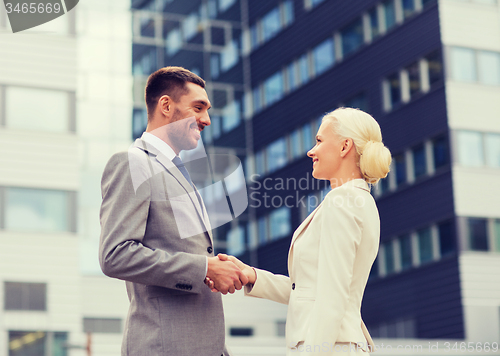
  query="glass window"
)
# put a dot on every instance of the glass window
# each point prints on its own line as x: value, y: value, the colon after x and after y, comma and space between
x: 102, y: 325
x: 478, y: 234
x: 296, y: 144
x: 470, y: 148
x: 273, y: 88
x: 254, y: 36
x: 394, y: 89
x: 52, y: 109
x: 257, y: 99
x: 190, y: 26
x: 489, y: 67
x: 435, y: 67
x: 260, y: 163
x: 374, y: 26
x: 229, y: 55
x: 384, y: 185
x: 236, y: 241
x: 419, y: 161
x: 291, y: 75
x: 497, y: 235
x: 307, y: 137
x: 25, y: 296
x: 280, y: 222
x: 174, y: 42
x: 139, y: 122
x: 440, y: 151
x: 231, y: 116
x: 463, y: 64
x: 147, y: 25
x: 271, y: 23
x: 352, y: 37
x: 276, y: 155
x: 31, y: 343
x: 304, y: 69
x: 225, y: 4
x: 492, y: 142
x: 390, y: 14
x: 400, y: 163
x: 414, y: 78
x: 262, y: 230
x: 408, y: 8
x: 36, y: 210
x: 389, y: 257
x: 288, y: 14
x: 446, y: 238
x: 323, y: 56
x: 359, y: 101
x: 215, y: 126
x: 406, y: 251
x: 215, y: 65
x: 425, y: 245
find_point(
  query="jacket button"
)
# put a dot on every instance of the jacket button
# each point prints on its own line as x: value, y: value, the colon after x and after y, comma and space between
x: 210, y: 249
x: 293, y: 286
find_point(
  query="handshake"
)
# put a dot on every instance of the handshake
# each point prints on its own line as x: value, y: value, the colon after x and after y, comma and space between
x: 226, y: 273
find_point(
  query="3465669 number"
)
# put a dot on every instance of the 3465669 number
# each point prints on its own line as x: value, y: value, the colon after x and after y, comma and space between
x: 33, y: 8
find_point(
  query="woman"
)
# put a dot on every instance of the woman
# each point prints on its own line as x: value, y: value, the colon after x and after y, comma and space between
x: 333, y: 250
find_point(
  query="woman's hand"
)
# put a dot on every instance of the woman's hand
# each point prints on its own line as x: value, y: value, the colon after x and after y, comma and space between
x: 248, y: 271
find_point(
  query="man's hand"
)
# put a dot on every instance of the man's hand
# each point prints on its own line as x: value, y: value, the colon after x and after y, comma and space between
x: 224, y: 275
x: 246, y: 269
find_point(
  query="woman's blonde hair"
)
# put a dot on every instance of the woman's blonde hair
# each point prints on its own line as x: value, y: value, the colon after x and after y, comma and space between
x: 373, y: 158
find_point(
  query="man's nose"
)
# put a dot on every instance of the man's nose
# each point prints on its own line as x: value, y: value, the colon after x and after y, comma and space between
x: 205, y: 120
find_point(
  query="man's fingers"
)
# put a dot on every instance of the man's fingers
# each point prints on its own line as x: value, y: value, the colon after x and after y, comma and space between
x: 223, y: 257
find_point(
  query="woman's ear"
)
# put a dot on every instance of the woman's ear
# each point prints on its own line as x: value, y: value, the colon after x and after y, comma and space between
x: 346, y: 147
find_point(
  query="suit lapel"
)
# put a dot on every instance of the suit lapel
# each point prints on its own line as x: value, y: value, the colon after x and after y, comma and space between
x: 174, y: 171
x: 297, y: 233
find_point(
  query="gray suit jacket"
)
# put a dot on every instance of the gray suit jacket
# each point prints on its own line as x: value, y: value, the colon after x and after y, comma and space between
x: 172, y: 312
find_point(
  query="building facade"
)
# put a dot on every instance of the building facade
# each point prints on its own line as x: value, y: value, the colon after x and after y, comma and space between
x: 65, y: 105
x: 427, y: 70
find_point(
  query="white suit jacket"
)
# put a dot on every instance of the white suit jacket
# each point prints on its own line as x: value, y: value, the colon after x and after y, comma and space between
x: 329, y: 261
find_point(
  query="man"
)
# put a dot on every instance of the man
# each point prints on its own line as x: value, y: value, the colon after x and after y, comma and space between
x: 155, y: 233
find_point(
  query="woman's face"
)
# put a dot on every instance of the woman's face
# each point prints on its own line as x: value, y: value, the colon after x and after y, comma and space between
x: 326, y: 154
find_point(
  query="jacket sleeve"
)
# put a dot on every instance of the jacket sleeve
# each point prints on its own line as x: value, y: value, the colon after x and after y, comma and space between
x: 341, y: 231
x: 270, y: 286
x: 122, y: 252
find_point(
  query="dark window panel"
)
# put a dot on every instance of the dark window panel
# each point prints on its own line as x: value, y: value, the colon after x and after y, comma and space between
x: 478, y: 234
x: 446, y: 238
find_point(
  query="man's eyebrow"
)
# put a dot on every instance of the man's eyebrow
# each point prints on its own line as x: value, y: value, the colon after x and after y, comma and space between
x: 204, y: 103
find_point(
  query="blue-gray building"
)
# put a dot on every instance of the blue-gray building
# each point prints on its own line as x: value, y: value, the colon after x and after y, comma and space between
x: 427, y: 70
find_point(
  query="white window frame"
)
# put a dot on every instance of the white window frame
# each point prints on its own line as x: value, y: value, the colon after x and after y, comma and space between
x: 398, y: 9
x: 436, y: 251
x: 410, y: 173
x: 429, y: 157
x: 404, y: 79
x: 367, y: 32
x: 425, y: 85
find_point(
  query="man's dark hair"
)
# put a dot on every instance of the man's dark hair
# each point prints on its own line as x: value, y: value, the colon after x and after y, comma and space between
x: 169, y: 81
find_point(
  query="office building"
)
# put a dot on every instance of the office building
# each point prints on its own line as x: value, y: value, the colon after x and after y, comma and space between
x: 427, y: 70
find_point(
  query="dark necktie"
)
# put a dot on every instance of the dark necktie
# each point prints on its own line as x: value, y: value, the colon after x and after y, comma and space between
x: 178, y: 162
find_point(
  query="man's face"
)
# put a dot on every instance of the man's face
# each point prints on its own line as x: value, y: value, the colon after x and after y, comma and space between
x: 189, y: 118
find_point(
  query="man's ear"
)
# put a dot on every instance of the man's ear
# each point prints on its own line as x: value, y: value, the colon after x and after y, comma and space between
x: 164, y: 105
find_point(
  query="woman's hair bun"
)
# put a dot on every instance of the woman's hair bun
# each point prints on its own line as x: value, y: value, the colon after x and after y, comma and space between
x: 374, y: 161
